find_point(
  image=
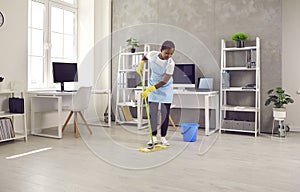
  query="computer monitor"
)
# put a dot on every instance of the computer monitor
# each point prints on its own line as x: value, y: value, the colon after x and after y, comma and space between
x: 64, y: 72
x: 184, y: 76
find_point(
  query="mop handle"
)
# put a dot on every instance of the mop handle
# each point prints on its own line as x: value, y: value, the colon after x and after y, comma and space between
x: 147, y: 109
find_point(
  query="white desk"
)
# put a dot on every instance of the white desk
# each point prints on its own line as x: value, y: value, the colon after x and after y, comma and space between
x: 49, y: 101
x: 199, y: 100
x: 191, y: 100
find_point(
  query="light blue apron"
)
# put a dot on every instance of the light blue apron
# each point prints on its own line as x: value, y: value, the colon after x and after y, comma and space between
x: 163, y: 94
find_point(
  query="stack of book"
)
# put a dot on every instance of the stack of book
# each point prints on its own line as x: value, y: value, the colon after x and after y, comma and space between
x: 6, y: 129
x: 124, y: 113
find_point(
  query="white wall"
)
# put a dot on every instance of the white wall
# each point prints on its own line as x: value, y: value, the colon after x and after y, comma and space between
x: 86, y: 42
x: 291, y: 58
x: 86, y: 48
x: 102, y: 47
x: 13, y: 42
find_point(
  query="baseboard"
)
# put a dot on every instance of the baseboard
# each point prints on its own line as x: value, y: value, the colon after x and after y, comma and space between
x: 295, y: 129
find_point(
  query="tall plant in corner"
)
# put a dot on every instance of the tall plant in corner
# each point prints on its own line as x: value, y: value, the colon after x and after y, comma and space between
x: 279, y: 99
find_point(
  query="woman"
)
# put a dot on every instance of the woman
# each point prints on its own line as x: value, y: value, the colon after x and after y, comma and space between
x: 160, y: 88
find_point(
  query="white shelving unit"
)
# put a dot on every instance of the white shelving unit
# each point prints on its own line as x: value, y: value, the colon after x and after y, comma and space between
x: 20, y: 129
x: 239, y: 103
x: 129, y: 85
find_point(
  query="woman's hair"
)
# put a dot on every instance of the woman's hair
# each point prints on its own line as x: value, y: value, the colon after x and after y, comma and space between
x: 167, y: 45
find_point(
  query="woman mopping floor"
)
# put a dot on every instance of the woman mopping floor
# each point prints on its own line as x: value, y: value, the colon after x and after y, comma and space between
x: 160, y: 90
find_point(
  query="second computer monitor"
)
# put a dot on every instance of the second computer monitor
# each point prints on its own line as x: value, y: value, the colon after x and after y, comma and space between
x: 184, y: 76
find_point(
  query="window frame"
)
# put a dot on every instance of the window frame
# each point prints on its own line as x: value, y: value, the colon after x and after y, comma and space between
x: 47, y: 64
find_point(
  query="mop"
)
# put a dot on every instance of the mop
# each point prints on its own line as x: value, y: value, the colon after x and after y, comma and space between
x: 153, y: 147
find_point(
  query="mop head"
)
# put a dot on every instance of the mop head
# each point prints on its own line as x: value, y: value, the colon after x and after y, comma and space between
x: 157, y: 147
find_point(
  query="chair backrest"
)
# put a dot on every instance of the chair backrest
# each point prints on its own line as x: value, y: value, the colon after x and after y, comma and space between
x: 81, y: 99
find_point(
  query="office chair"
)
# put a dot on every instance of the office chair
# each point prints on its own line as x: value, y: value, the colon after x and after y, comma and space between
x: 80, y: 102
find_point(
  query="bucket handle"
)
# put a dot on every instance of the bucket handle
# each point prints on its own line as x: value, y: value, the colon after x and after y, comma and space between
x: 182, y: 133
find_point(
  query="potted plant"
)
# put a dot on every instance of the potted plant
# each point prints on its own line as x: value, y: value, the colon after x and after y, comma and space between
x: 240, y: 39
x: 279, y: 99
x: 133, y: 43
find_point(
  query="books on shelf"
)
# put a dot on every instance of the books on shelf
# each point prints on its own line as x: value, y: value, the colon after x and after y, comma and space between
x: 127, y: 113
x: 136, y: 59
x: 225, y: 79
x: 6, y: 128
x: 124, y: 113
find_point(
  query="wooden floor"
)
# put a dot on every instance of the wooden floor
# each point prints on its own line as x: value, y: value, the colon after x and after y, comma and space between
x: 109, y: 160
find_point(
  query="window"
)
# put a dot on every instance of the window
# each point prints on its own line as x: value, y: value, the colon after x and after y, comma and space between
x: 52, y: 36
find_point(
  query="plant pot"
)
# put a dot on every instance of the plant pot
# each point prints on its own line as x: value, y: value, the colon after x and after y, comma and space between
x: 279, y: 113
x: 240, y: 44
x: 132, y: 50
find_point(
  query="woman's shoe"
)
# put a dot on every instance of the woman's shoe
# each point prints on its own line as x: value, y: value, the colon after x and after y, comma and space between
x: 154, y: 140
x: 164, y: 141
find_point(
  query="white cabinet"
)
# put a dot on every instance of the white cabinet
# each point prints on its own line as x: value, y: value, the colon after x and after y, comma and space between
x: 240, y: 88
x: 19, y: 129
x: 129, y: 86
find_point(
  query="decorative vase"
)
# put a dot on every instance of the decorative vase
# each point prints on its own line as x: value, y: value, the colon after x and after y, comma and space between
x: 240, y: 44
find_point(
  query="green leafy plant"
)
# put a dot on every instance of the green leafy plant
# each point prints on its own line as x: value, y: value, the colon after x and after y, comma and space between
x: 278, y: 97
x: 240, y: 36
x: 132, y: 42
x: 1, y: 79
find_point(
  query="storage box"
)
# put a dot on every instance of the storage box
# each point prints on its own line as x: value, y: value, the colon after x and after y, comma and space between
x: 238, y: 125
x: 249, y: 126
x: 16, y: 105
x: 227, y: 124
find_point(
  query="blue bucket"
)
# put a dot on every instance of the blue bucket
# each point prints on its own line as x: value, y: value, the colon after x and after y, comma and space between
x: 189, y: 131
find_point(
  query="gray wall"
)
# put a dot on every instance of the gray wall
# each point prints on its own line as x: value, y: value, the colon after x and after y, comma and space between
x: 197, y: 27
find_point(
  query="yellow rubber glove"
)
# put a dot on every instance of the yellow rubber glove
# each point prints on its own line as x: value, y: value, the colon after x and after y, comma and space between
x: 140, y: 69
x: 148, y: 91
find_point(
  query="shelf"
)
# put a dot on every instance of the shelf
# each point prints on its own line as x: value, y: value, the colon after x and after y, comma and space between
x: 144, y: 123
x: 128, y: 88
x: 136, y: 53
x: 236, y: 130
x: 17, y: 136
x: 7, y: 92
x: 7, y: 114
x: 238, y: 108
x: 6, y: 130
x: 239, y: 89
x: 127, y: 70
x: 130, y: 70
x: 239, y: 49
x: 239, y: 69
x: 129, y: 104
x: 127, y: 80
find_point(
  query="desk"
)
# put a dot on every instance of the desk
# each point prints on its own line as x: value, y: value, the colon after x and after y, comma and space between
x: 49, y: 101
x: 191, y: 100
x: 199, y: 100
